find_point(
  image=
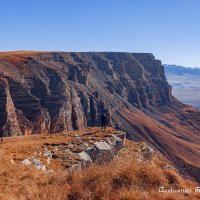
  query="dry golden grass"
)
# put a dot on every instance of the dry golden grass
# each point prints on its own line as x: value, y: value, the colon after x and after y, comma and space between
x: 124, y: 178
x: 18, y: 56
x: 19, y: 53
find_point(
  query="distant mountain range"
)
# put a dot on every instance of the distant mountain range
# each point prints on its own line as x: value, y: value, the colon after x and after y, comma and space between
x: 180, y: 70
x: 185, y: 83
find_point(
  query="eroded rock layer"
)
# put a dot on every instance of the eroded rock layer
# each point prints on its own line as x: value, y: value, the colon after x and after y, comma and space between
x: 54, y: 92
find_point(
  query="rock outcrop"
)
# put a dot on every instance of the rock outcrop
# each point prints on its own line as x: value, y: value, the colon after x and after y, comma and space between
x: 9, y: 123
x: 75, y: 150
x: 53, y: 92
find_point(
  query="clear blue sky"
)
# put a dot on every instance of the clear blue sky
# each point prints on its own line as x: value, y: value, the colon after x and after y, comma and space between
x: 170, y: 29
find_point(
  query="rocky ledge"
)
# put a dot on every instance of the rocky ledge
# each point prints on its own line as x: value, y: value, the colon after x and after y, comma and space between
x: 78, y: 151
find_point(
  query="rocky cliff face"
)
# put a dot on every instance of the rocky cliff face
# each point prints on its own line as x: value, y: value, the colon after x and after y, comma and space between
x: 56, y: 92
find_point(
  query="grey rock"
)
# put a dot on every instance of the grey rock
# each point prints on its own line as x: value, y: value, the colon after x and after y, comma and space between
x: 38, y: 164
x: 26, y: 162
x: 102, y: 145
x: 85, y: 156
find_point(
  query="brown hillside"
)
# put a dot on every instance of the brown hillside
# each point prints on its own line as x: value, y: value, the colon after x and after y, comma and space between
x: 137, y: 172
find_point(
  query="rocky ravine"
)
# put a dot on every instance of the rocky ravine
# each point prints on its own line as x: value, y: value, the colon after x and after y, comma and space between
x: 53, y: 92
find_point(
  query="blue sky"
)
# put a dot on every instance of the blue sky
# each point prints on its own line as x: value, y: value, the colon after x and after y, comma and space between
x: 170, y: 29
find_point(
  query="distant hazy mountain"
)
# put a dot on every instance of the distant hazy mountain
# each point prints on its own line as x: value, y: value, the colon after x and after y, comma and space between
x: 180, y: 70
x: 185, y: 83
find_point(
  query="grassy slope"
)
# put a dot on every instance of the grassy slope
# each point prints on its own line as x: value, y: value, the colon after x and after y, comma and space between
x: 129, y: 176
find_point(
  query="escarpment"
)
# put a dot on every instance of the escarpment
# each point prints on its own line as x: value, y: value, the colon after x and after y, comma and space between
x: 55, y: 92
x: 49, y: 92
